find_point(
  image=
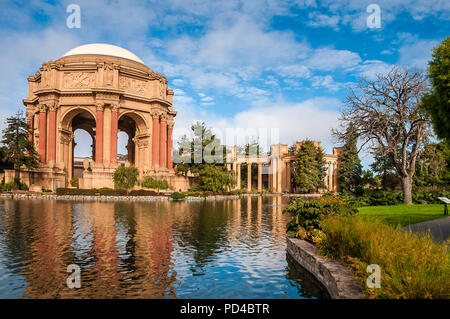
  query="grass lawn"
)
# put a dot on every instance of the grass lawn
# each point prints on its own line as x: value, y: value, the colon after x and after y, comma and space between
x: 404, y: 214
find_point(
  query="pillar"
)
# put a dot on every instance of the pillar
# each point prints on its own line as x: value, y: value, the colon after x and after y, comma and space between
x: 30, y: 126
x: 249, y: 177
x: 155, y: 140
x: 238, y: 185
x: 330, y: 176
x: 169, y: 146
x: 99, y: 134
x: 51, y: 133
x: 42, y: 133
x: 163, y: 143
x: 114, y: 129
x: 288, y: 177
x: 259, y: 177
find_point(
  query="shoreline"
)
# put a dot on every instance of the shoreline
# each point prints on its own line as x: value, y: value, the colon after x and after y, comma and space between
x: 20, y: 196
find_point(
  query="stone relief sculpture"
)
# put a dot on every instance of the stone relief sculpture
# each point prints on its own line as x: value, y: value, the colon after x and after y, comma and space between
x: 133, y: 85
x: 79, y: 79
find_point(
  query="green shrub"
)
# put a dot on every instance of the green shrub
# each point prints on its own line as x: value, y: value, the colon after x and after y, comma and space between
x: 74, y: 182
x: 125, y: 177
x: 384, y: 198
x: 150, y: 182
x: 412, y: 266
x: 195, y: 188
x: 307, y: 214
x: 143, y: 192
x: 177, y: 195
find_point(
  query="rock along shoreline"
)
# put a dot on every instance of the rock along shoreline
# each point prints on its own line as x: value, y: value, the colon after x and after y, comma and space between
x: 106, y: 198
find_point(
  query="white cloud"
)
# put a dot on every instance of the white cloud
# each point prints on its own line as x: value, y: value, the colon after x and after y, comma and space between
x: 417, y: 54
x: 329, y: 59
x: 316, y: 19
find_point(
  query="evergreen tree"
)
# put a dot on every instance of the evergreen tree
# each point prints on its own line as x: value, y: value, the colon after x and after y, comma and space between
x: 18, y: 149
x: 437, y: 103
x: 350, y: 170
x: 309, y: 168
x: 203, y: 154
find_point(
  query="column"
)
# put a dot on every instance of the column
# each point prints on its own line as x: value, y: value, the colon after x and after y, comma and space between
x: 235, y: 170
x: 163, y: 143
x: 288, y: 176
x: 238, y: 185
x: 249, y: 177
x: 114, y: 129
x: 155, y: 140
x: 330, y: 176
x: 99, y: 134
x: 169, y: 146
x: 259, y: 177
x: 52, y: 133
x: 30, y: 125
x: 42, y: 132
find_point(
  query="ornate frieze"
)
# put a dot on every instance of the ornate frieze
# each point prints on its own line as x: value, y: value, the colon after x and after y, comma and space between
x: 79, y: 80
x: 133, y: 85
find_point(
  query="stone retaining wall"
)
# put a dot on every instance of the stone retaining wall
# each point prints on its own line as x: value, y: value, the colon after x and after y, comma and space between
x: 111, y: 198
x: 333, y: 275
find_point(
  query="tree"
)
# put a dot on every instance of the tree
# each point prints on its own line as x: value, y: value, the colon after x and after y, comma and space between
x: 125, y: 177
x: 216, y: 178
x: 18, y: 149
x: 437, y: 103
x: 309, y: 168
x: 350, y: 170
x: 387, y: 112
x: 204, y: 154
x: 385, y: 169
x: 432, y: 169
x: 203, y: 148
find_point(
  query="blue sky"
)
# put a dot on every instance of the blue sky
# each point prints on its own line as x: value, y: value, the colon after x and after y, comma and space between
x: 259, y: 64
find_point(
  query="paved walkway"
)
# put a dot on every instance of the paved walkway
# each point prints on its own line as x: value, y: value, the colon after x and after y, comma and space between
x: 439, y: 228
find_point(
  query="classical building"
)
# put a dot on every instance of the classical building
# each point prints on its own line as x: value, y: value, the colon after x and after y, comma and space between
x: 102, y: 89
x: 274, y: 170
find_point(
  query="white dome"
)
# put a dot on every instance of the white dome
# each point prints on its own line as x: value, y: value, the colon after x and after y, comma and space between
x: 104, y: 49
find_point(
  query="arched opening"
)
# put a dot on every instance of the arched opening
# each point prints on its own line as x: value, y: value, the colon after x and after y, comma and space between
x: 132, y: 140
x: 82, y: 125
x: 122, y: 151
x: 125, y: 140
x: 83, y: 150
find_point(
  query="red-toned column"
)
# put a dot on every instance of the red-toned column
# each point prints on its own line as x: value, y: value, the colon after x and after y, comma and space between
x: 163, y: 143
x: 169, y: 146
x: 155, y: 141
x: 114, y: 128
x: 52, y: 133
x: 30, y: 120
x: 99, y: 134
x: 42, y: 132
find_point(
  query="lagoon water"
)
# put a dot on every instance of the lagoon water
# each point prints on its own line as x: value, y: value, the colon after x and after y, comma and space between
x: 165, y: 249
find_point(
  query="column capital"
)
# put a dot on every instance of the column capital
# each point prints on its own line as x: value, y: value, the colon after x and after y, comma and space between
x: 42, y: 107
x: 115, y: 107
x: 156, y: 114
x: 170, y: 124
x: 163, y: 117
x: 52, y: 106
x: 99, y: 106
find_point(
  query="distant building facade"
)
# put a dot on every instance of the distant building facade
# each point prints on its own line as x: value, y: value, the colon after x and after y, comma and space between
x: 274, y: 170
